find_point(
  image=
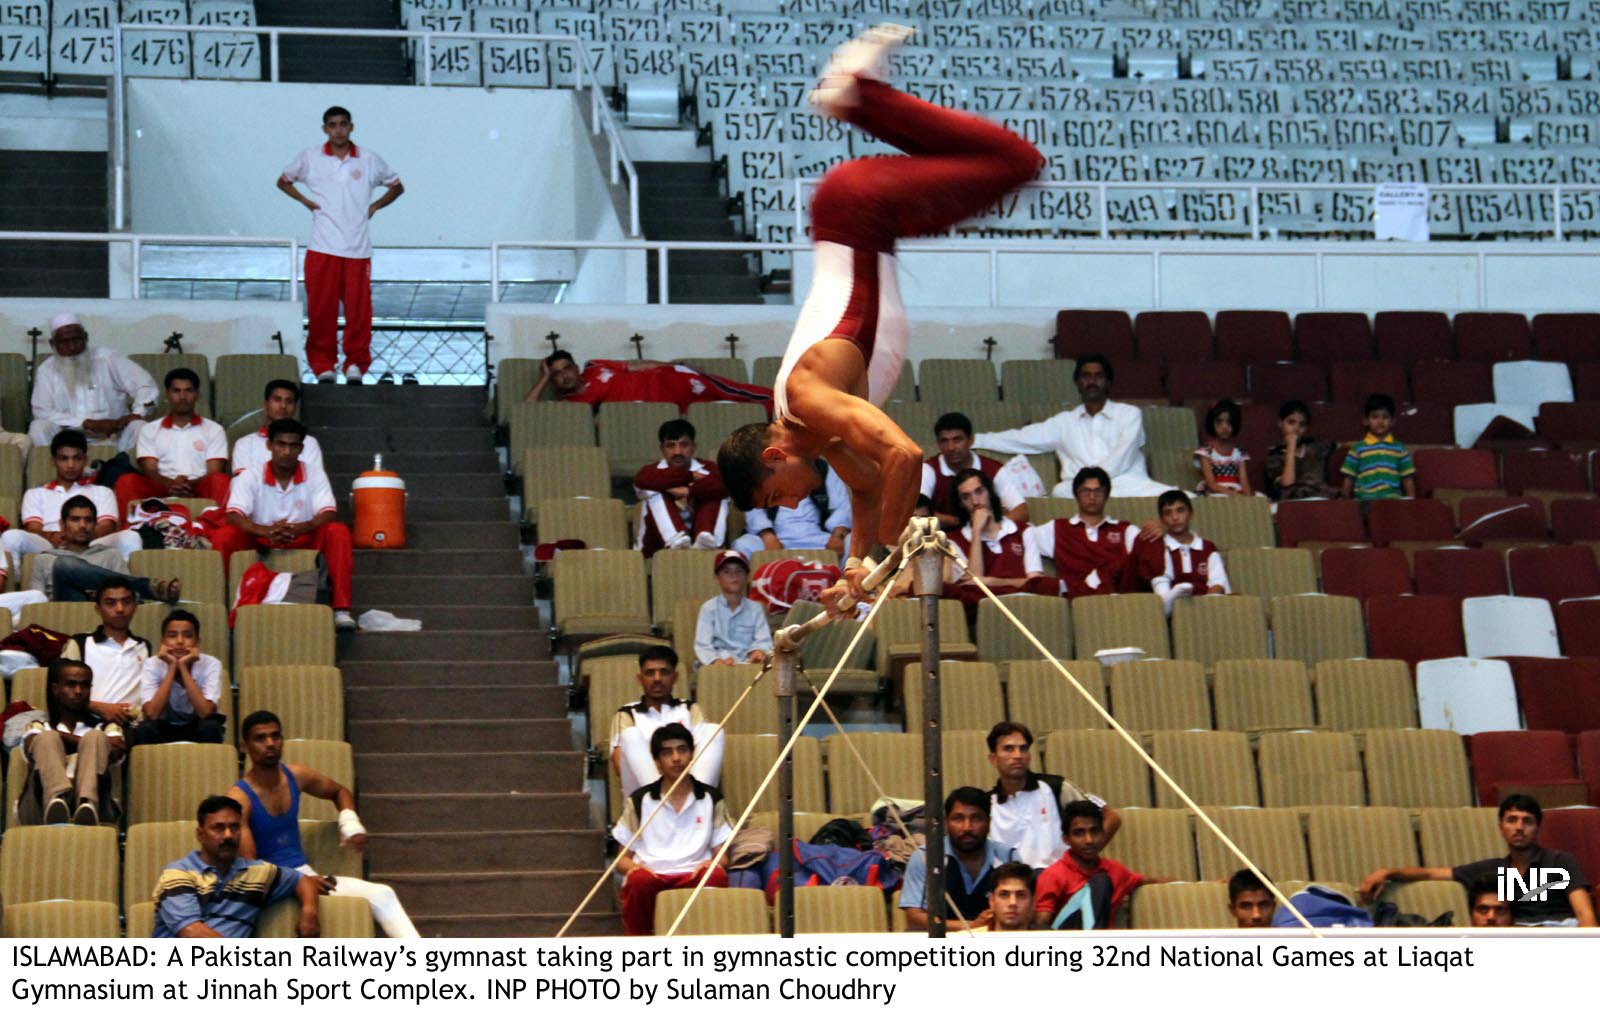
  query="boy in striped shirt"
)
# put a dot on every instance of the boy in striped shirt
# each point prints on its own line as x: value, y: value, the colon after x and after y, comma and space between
x: 1378, y: 466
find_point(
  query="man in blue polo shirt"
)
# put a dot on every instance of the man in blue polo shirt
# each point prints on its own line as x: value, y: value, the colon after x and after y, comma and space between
x: 970, y: 859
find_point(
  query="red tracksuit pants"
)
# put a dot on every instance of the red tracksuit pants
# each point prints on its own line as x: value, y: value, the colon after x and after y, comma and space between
x: 331, y: 280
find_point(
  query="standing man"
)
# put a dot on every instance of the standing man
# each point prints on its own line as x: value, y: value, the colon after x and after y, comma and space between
x: 340, y: 177
x: 102, y: 393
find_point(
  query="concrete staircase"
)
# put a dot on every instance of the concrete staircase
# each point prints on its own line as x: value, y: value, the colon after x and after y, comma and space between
x: 466, y: 768
x: 52, y: 191
x: 338, y: 58
x: 681, y: 201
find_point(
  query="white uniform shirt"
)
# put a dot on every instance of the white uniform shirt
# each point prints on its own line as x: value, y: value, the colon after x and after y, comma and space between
x: 117, y: 386
x: 1039, y: 543
x: 342, y: 190
x: 42, y: 505
x: 1180, y: 560
x: 1030, y: 820
x: 258, y: 497
x: 640, y: 716
x: 250, y: 453
x: 182, y: 451
x: 118, y: 668
x: 1112, y: 439
x: 676, y: 840
x: 207, y: 673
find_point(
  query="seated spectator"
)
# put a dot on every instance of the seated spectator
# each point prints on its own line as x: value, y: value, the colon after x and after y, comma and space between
x: 1084, y: 890
x: 1098, y: 433
x: 970, y: 860
x: 1025, y: 806
x: 1180, y: 562
x: 1250, y: 903
x: 1520, y: 818
x: 77, y: 568
x: 953, y: 432
x: 1221, y: 461
x: 181, y: 455
x: 1091, y: 550
x: 281, y: 401
x: 819, y: 521
x: 70, y: 752
x: 682, y: 503
x: 41, y: 506
x: 1011, y: 900
x: 1298, y: 466
x: 634, y: 725
x: 180, y: 688
x: 114, y: 653
x: 732, y: 628
x: 638, y: 380
x: 991, y: 540
x: 290, y: 505
x: 271, y: 789
x: 678, y: 846
x: 1378, y: 466
x: 1484, y: 906
x: 217, y: 893
x: 89, y: 388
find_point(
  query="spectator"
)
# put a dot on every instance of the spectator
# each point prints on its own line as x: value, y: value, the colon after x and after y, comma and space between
x: 1378, y: 466
x: 271, y: 791
x: 182, y: 455
x: 1084, y: 890
x: 970, y: 861
x: 990, y: 538
x: 1098, y: 433
x: 682, y: 503
x: 217, y: 893
x: 41, y: 506
x: 290, y: 505
x: 70, y: 753
x: 953, y: 432
x: 1011, y: 900
x: 1025, y: 806
x: 92, y: 389
x: 732, y: 628
x: 281, y: 401
x: 76, y: 568
x: 1250, y: 903
x: 1298, y: 466
x: 1091, y: 550
x: 1180, y: 562
x: 1520, y: 818
x: 1222, y: 470
x: 678, y: 845
x: 633, y: 725
x: 821, y: 520
x: 114, y: 653
x: 1484, y: 906
x: 639, y: 380
x: 180, y: 687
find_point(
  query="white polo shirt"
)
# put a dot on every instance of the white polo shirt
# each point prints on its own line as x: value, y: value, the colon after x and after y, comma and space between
x: 42, y: 505
x: 342, y: 190
x: 259, y: 498
x: 676, y: 840
x: 182, y: 451
x: 250, y: 453
x: 207, y: 673
x: 117, y: 668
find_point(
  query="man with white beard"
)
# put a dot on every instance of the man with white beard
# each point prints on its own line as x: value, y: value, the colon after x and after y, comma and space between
x: 89, y: 388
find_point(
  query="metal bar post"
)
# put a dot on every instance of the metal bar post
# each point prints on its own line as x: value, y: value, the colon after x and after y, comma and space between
x: 1255, y: 212
x: 427, y: 58
x: 661, y: 275
x: 294, y: 266
x: 930, y: 586
x: 494, y: 272
x: 134, y: 256
x: 786, y: 689
x: 1105, y: 211
x: 118, y: 133
x: 272, y: 43
x: 1558, y: 226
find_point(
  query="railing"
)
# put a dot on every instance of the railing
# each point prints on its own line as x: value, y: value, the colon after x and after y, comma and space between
x: 138, y: 242
x: 601, y: 120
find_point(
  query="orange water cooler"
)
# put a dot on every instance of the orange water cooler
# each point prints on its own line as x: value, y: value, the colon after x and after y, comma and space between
x: 379, y: 498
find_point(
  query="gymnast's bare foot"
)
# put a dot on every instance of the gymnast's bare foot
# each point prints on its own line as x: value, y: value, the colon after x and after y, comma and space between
x: 866, y: 55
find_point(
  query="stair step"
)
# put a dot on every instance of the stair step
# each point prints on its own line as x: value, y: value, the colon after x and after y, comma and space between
x: 326, y: 420
x: 672, y: 170
x: 453, y: 813
x: 471, y: 648
x: 381, y: 592
x: 590, y: 923
x: 410, y: 464
x: 479, y: 772
x: 425, y: 486
x: 384, y: 673
x: 674, y: 229
x: 378, y: 736
x: 436, y: 893
x: 410, y: 562
x: 409, y: 439
x: 445, y: 700
x: 575, y: 849
x: 428, y: 395
x: 455, y: 535
x: 483, y: 509
x: 694, y: 287
x: 471, y: 617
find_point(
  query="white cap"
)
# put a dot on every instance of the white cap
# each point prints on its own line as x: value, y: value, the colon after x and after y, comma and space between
x: 62, y: 320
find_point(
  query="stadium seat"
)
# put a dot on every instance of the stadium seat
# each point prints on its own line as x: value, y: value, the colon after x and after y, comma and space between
x: 1499, y: 626
x: 1207, y: 628
x: 332, y: 758
x: 1120, y: 620
x: 1417, y: 769
x: 1361, y: 694
x: 600, y: 523
x: 1354, y: 381
x: 1486, y: 518
x: 1315, y: 627
x: 1414, y: 627
x: 1213, y: 767
x: 150, y: 847
x: 1460, y: 572
x: 825, y: 649
x: 1048, y: 618
x: 168, y: 781
x: 1135, y: 380
x: 1455, y: 468
x: 239, y: 379
x: 1254, y: 336
x: 1419, y: 519
x: 1170, y: 427
x: 1449, y: 383
x: 917, y: 420
x: 562, y: 471
x: 1181, y: 906
x: 1559, y: 693
x: 283, y: 635
x: 1363, y: 572
x: 1520, y: 762
x: 996, y: 415
x: 677, y: 574
x: 1589, y: 762
x: 1316, y: 520
x: 899, y: 634
x: 308, y: 699
x: 1432, y: 899
x: 542, y: 425
x: 956, y: 383
x: 54, y: 919
x: 1261, y: 694
x: 513, y: 377
x: 1329, y: 338
x: 718, y: 911
x: 69, y: 617
x: 1107, y: 332
x: 839, y: 909
x: 340, y: 917
x: 895, y: 760
x: 1576, y: 831
x: 746, y: 759
x: 1160, y: 694
x: 1348, y: 843
x: 1531, y: 382
x: 1301, y: 767
x: 1235, y: 523
x: 1580, y: 626
x: 1209, y: 380
x: 1407, y: 336
x: 1271, y: 837
x: 1567, y: 337
x: 1271, y: 572
x: 199, y: 569
x: 1575, y: 520
x: 717, y: 688
x: 49, y: 863
x: 279, y: 560
x: 966, y: 759
x: 1490, y: 337
x: 1457, y: 836
x: 1586, y: 382
x: 969, y: 697
x: 141, y: 919
x: 1526, y: 470
x: 1101, y: 762
x: 1038, y: 697
x: 1155, y: 842
x: 1272, y: 384
x: 1037, y: 381
x: 1466, y: 695
x: 1174, y: 336
x: 1554, y: 573
x: 599, y: 593
x: 1566, y: 423
x: 627, y: 431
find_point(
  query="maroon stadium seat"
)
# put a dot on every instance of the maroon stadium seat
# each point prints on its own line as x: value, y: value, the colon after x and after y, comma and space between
x: 1210, y: 379
x: 1460, y: 572
x: 1586, y: 382
x: 1421, y: 519
x: 1317, y: 520
x: 1107, y: 332
x: 1259, y: 430
x: 1332, y: 337
x: 1566, y: 422
x: 1558, y: 693
x: 1254, y: 336
x: 1493, y: 337
x: 1414, y: 627
x: 1464, y: 468
x: 1579, y: 622
x: 1510, y: 761
x: 1336, y: 421
x: 1554, y: 572
x: 1277, y: 383
x: 1538, y: 469
x: 1576, y: 831
x: 1567, y: 337
x: 1173, y: 336
x: 1575, y: 519
x: 1432, y: 424
x: 1364, y: 572
x: 1511, y: 518
x: 1407, y: 336
x: 1139, y: 380
x: 1452, y: 383
x: 1354, y: 381
x: 1589, y: 762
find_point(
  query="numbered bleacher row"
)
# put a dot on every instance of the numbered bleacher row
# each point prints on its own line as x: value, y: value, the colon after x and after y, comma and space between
x: 54, y: 39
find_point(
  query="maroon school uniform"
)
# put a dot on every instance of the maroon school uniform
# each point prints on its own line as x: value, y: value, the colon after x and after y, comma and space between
x: 1089, y: 560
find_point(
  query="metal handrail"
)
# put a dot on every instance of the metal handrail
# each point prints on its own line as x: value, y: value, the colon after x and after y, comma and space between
x: 600, y: 117
x: 139, y: 241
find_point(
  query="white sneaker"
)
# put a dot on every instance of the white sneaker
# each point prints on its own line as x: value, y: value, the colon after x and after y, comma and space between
x: 327, y: 377
x: 352, y: 375
x: 705, y: 540
x: 868, y: 55
x: 343, y: 620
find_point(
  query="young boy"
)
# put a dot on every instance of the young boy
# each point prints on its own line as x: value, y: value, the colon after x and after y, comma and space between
x: 180, y: 687
x: 1378, y: 466
x: 1250, y: 903
x: 41, y: 506
x: 732, y: 628
x: 1180, y: 562
x: 1084, y: 890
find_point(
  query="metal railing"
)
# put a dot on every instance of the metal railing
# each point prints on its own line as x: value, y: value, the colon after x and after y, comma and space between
x: 137, y: 242
x: 601, y: 121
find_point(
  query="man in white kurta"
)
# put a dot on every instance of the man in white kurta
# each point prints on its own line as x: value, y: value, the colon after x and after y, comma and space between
x: 102, y: 393
x: 1099, y: 432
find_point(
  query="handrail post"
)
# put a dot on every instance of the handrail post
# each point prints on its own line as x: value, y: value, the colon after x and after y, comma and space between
x: 661, y: 274
x: 118, y: 131
x: 294, y: 265
x: 1105, y: 212
x: 272, y: 43
x: 427, y: 58
x: 134, y: 256
x: 1255, y: 213
x: 1559, y: 232
x: 494, y: 272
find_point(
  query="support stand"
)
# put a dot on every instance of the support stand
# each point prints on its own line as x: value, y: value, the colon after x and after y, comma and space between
x: 930, y: 587
x: 786, y: 653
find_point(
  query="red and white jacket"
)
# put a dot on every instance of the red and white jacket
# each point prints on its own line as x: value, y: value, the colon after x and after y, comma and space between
x: 1089, y: 560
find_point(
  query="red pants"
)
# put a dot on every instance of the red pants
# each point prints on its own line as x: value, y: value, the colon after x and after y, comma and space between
x: 136, y: 487
x: 639, y: 896
x: 331, y: 539
x: 330, y: 280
